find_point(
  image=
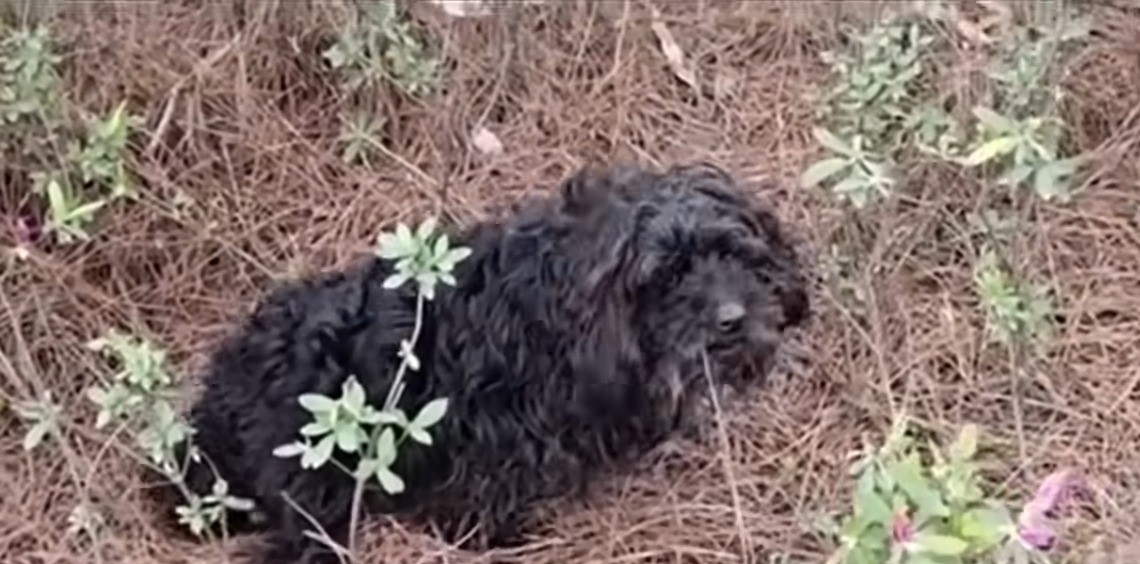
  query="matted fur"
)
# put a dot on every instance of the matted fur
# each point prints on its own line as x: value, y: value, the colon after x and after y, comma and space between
x: 573, y: 343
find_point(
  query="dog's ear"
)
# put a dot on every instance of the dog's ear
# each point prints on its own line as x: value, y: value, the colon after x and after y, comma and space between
x: 608, y: 350
x: 785, y: 269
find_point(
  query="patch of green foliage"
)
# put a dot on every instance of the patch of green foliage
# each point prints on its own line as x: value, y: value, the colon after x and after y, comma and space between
x: 876, y: 120
x: 348, y: 424
x: 377, y: 46
x: 926, y: 506
x: 77, y: 174
x: 137, y: 402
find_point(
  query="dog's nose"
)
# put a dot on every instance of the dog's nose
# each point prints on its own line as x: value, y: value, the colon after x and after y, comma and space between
x: 729, y: 316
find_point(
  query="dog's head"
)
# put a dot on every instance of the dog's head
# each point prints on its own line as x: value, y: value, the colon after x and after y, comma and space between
x: 710, y: 275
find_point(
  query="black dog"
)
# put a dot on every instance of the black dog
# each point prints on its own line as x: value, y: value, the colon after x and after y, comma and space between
x: 575, y: 340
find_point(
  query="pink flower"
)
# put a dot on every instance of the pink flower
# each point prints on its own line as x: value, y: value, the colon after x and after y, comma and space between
x: 1035, y: 523
x: 902, y: 529
x: 28, y: 230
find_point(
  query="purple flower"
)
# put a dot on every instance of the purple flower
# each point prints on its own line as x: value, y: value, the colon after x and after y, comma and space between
x: 1035, y: 523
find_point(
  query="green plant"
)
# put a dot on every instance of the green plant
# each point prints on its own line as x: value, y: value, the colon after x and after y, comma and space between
x: 378, y: 45
x: 1016, y: 312
x: 138, y: 398
x: 42, y: 418
x: 99, y: 160
x: 29, y: 82
x: 1021, y: 134
x: 867, y: 175
x: 360, y: 133
x: 1026, y: 150
x: 73, y: 171
x: 872, y: 111
x: 932, y: 509
x: 350, y: 425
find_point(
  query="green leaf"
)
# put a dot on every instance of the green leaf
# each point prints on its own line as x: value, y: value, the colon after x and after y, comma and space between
x: 349, y: 438
x: 830, y: 141
x: 395, y: 281
x: 238, y: 503
x: 390, y: 247
x: 404, y: 236
x: 430, y: 414
x: 84, y: 211
x: 388, y: 479
x: 386, y: 447
x: 822, y: 170
x: 966, y: 445
x: 289, y: 450
x: 353, y: 394
x: 851, y: 185
x: 942, y: 545
x: 986, y: 525
x: 36, y: 434
x: 872, y: 506
x: 316, y: 403
x: 1016, y: 175
x: 336, y: 56
x: 1048, y: 178
x: 409, y: 355
x: 453, y: 257
x: 57, y: 199
x: 989, y: 150
x: 315, y: 429
x: 318, y: 455
x: 420, y: 436
x: 393, y: 416
x: 993, y: 120
x: 425, y: 229
x: 440, y: 249
x: 907, y: 473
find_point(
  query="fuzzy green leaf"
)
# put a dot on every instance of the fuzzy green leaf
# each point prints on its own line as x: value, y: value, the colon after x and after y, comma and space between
x: 990, y: 149
x: 388, y: 479
x: 316, y: 403
x: 942, y: 545
x: 830, y: 141
x: 430, y: 414
x: 822, y: 170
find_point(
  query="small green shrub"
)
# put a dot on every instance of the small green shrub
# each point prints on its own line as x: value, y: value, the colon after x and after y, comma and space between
x: 348, y: 424
x: 78, y: 175
x: 377, y: 45
x: 872, y: 112
x: 927, y: 506
x: 1016, y: 312
x: 138, y: 399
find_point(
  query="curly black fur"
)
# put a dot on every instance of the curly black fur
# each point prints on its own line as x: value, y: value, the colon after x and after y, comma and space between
x: 572, y: 343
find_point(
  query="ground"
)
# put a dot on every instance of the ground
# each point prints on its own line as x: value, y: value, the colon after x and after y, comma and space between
x: 242, y: 183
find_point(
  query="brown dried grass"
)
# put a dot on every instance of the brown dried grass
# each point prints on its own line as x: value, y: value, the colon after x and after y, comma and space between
x: 239, y: 118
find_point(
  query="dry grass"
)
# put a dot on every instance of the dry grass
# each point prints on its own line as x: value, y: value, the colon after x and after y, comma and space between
x: 238, y: 117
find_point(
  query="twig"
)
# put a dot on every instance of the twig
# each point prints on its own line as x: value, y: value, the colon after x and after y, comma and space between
x: 390, y: 402
x: 344, y: 555
x: 745, y: 540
